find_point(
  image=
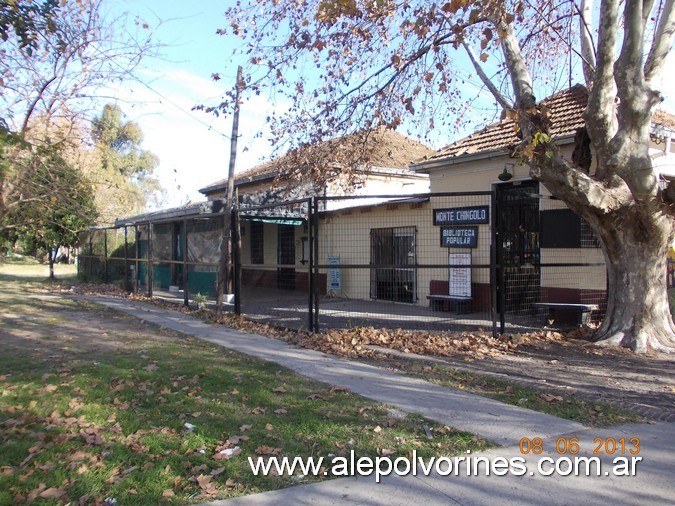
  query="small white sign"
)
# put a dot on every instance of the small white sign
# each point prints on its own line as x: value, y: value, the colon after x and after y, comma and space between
x: 334, y: 275
x: 459, y: 277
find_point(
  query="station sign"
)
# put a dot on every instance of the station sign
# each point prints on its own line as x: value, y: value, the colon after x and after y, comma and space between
x: 472, y: 215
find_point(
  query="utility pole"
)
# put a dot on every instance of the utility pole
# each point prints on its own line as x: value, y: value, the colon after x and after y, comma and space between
x: 224, y: 277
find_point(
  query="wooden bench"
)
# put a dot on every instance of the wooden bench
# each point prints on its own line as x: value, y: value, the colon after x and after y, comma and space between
x: 583, y: 310
x: 460, y: 304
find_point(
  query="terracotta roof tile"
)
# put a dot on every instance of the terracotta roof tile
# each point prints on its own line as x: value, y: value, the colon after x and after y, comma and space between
x: 390, y: 150
x: 664, y: 118
x: 565, y: 110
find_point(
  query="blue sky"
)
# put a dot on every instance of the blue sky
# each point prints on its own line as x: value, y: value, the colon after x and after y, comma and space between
x: 193, y: 146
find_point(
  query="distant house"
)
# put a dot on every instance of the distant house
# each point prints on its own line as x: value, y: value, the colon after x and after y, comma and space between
x: 275, y: 247
x: 318, y: 170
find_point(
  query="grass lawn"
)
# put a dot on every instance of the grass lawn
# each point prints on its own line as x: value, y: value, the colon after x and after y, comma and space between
x: 96, y: 405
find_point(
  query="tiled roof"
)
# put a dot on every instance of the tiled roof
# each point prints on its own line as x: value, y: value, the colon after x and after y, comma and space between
x: 664, y: 118
x: 565, y: 110
x: 565, y: 114
x: 387, y: 149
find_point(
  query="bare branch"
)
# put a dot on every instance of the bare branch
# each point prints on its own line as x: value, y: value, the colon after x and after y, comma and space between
x: 587, y: 48
x: 520, y: 75
x: 601, y: 121
x: 485, y: 79
x: 664, y: 37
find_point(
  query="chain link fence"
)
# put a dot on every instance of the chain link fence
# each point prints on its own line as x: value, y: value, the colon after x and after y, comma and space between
x: 509, y: 260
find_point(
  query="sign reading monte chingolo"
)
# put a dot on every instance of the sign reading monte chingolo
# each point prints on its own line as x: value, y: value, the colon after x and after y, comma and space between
x: 459, y: 237
x: 462, y: 215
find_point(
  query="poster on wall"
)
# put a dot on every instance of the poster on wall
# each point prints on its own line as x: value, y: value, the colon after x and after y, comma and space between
x: 459, y: 277
x: 334, y: 276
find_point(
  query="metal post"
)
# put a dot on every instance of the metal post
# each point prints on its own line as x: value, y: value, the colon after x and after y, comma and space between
x: 150, y: 266
x: 105, y: 255
x: 493, y: 264
x: 316, y: 264
x: 136, y: 255
x: 186, y: 279
x: 91, y: 254
x: 126, y: 261
x: 236, y: 259
x: 310, y: 273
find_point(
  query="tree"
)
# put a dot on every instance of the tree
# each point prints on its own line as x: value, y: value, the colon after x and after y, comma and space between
x: 58, y: 65
x: 359, y: 64
x: 27, y: 20
x: 119, y: 168
x: 57, y: 58
x: 55, y: 203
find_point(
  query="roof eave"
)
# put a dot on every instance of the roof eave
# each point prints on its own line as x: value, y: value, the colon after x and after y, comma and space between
x: 439, y: 163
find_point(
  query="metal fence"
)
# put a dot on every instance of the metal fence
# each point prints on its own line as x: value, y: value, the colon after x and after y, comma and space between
x: 499, y: 261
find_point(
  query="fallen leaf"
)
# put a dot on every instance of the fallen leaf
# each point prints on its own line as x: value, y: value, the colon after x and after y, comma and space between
x: 550, y: 398
x: 281, y: 411
x: 244, y: 428
x: 218, y: 471
x: 227, y: 453
x: 168, y: 493
x: 52, y: 493
x: 377, y: 429
x: 204, y: 480
x: 151, y: 367
x: 279, y: 390
x: 234, y: 440
x: 267, y: 450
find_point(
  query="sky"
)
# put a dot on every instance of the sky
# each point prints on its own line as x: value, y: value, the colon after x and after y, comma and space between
x: 194, y: 146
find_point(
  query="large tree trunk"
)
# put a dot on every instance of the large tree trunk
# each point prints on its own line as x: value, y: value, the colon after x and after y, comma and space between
x: 635, y: 245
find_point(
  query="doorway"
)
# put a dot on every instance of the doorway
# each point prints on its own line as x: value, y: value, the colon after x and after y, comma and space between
x: 517, y: 246
x: 393, y: 258
x: 286, y: 256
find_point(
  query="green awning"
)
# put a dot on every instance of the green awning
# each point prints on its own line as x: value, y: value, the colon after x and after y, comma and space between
x: 296, y: 222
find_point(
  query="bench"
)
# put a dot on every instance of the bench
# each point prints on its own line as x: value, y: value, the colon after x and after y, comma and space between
x: 461, y: 304
x: 583, y: 310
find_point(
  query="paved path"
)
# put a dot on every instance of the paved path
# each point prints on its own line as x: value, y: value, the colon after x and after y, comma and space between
x: 493, y: 420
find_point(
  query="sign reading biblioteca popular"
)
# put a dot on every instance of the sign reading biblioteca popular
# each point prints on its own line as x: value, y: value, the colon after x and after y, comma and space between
x: 458, y: 236
x: 473, y: 215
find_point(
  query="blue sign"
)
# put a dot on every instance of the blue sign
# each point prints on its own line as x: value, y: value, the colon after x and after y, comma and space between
x: 462, y: 215
x: 459, y: 237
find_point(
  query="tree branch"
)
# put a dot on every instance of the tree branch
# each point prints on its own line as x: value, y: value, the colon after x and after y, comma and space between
x: 600, y: 114
x: 587, y: 49
x: 662, y: 43
x: 501, y: 100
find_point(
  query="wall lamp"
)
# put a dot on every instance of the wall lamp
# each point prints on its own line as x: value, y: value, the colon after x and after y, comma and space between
x: 506, y: 175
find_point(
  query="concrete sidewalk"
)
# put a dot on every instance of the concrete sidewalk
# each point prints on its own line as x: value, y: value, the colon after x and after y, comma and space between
x: 493, y: 420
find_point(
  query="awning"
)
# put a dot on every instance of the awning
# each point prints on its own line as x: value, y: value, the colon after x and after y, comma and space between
x: 277, y: 221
